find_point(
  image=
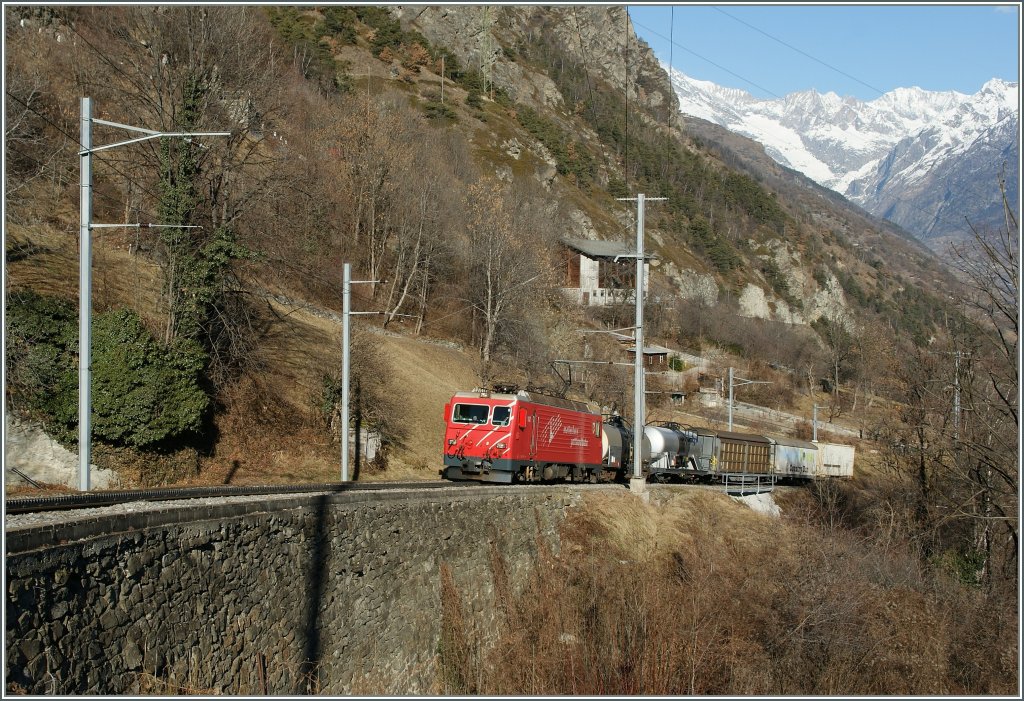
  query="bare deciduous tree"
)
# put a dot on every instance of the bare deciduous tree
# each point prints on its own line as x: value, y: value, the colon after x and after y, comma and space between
x: 987, y: 382
x: 191, y: 69
x: 506, y: 258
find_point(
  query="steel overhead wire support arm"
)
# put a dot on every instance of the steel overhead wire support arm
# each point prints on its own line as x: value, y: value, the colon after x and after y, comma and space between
x: 150, y: 134
x: 743, y: 381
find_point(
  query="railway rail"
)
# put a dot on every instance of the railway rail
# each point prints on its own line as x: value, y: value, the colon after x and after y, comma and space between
x: 35, y: 504
x: 90, y: 500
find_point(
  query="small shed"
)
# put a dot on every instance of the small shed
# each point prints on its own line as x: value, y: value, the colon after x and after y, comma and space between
x: 655, y: 357
x: 601, y: 272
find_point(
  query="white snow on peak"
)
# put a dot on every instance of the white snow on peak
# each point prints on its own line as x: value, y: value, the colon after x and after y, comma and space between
x: 838, y: 141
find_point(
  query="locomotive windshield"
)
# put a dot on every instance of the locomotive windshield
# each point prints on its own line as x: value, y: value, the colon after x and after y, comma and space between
x: 470, y: 414
x: 501, y: 416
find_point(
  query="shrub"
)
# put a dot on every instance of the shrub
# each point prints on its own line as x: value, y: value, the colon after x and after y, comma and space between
x: 142, y: 392
x: 42, y: 367
x: 436, y: 110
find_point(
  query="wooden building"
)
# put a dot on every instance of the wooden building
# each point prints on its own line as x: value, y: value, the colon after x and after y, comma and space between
x: 599, y: 272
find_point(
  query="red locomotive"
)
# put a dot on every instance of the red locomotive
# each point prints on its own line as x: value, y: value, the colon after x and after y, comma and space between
x: 520, y: 437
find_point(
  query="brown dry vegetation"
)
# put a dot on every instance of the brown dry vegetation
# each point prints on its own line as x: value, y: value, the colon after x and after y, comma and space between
x: 850, y: 593
x: 269, y: 429
x: 697, y: 595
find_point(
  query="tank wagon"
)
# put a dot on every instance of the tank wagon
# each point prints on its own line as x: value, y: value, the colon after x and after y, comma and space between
x: 521, y: 437
x: 616, y: 447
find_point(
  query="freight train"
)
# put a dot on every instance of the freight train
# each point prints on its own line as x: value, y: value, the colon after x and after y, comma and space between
x: 517, y: 436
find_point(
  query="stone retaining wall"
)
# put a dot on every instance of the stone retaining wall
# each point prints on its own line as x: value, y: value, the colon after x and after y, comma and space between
x: 331, y: 593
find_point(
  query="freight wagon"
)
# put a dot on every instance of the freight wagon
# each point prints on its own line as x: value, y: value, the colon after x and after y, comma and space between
x: 675, y: 452
x: 834, y: 460
x: 794, y: 458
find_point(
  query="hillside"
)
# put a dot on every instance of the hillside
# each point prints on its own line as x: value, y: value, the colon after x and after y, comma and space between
x: 447, y: 153
x: 514, y: 122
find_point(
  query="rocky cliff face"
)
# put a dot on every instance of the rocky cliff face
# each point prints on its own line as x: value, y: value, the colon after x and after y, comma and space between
x: 599, y: 37
x: 524, y: 50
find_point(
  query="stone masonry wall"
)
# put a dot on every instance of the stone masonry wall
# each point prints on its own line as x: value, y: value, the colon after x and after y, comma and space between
x: 333, y: 593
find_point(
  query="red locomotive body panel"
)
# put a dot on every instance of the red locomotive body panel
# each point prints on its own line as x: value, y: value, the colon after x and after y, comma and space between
x: 505, y: 437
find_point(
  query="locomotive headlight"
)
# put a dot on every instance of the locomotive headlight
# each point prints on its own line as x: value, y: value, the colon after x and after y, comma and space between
x: 500, y: 446
x: 451, y: 441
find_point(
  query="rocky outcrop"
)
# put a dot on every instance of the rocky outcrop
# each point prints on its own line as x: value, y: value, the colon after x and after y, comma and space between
x: 599, y: 37
x: 29, y: 451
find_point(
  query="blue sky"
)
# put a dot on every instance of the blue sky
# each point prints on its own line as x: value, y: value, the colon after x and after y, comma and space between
x: 858, y: 50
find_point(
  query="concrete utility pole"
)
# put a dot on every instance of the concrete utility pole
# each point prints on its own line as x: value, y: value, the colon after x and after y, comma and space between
x: 85, y: 228
x: 346, y: 354
x: 814, y: 424
x: 639, y: 409
x: 636, y: 482
x: 730, y: 398
x: 956, y: 396
x: 85, y: 296
x: 743, y: 381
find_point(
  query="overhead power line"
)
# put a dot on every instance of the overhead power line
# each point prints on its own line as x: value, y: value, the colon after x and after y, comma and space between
x: 973, y: 190
x: 801, y: 52
x: 705, y: 58
x: 77, y: 142
x: 108, y: 198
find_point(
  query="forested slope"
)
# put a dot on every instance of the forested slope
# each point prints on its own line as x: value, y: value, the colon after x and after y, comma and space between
x: 444, y: 152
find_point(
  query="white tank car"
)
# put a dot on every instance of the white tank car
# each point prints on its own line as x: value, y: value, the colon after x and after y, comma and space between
x: 614, y: 446
x: 666, y: 448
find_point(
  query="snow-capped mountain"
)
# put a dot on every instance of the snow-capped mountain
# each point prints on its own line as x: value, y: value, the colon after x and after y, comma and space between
x: 924, y: 160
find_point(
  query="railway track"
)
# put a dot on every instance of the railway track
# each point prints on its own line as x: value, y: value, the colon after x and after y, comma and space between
x: 90, y: 500
x: 87, y: 500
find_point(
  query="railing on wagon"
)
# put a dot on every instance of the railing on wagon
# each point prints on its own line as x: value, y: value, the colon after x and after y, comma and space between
x: 744, y: 483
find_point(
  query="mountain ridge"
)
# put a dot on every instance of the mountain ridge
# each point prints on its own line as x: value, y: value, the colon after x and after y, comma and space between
x: 885, y: 151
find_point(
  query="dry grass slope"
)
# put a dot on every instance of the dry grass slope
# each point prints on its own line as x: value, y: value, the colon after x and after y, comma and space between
x: 696, y: 594
x: 269, y: 429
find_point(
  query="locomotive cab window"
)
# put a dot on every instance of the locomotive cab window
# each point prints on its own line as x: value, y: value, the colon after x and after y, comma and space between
x: 470, y: 414
x: 502, y: 415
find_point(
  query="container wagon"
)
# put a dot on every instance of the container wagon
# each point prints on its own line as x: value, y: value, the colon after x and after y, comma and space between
x: 835, y: 460
x: 794, y: 458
